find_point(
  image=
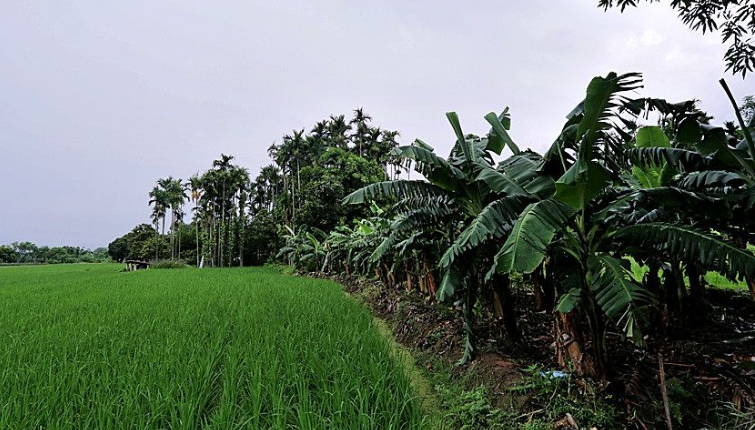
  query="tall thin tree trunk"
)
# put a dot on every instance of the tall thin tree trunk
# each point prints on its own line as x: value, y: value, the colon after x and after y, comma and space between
x: 172, y: 234
x: 652, y: 280
x: 157, y: 240
x: 160, y: 244
x: 222, y: 228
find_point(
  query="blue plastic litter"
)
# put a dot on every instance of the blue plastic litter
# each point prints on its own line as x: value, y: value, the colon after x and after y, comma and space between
x: 554, y: 374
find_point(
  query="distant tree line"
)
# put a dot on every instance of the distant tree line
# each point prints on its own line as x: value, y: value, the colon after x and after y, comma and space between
x: 29, y: 253
x: 239, y: 220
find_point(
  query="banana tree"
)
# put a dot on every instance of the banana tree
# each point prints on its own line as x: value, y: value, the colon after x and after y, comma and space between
x: 457, y: 190
x: 717, y: 161
x: 595, y: 218
x: 352, y: 246
x: 302, y: 250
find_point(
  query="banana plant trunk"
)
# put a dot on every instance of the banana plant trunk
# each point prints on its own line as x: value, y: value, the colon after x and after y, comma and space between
x: 428, y: 270
x: 408, y: 272
x: 541, y: 302
x: 599, y: 368
x: 570, y: 344
x: 503, y: 303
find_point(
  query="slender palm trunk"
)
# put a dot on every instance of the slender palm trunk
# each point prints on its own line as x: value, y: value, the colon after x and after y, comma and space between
x: 157, y: 240
x: 172, y: 234
x: 242, y: 226
x: 160, y: 244
x: 293, y: 206
x: 222, y: 229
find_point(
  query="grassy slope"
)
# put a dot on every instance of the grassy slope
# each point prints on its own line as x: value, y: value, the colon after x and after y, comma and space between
x: 89, y: 347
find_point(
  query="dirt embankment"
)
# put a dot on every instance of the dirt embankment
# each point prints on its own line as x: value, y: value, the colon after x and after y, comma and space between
x: 709, y: 361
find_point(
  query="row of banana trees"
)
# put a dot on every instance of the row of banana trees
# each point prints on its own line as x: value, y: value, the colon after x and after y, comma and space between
x: 362, y: 250
x: 676, y: 197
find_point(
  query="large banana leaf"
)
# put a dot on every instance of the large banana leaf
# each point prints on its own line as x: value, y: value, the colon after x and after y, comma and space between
x: 621, y: 299
x: 491, y: 223
x: 453, y: 279
x: 603, y: 95
x: 711, y: 179
x: 410, y: 203
x: 716, y: 144
x: 523, y: 169
x: 436, y: 169
x: 498, y: 136
x: 652, y: 137
x: 528, y: 241
x: 679, y: 158
x: 385, y: 247
x: 427, y: 217
x: 402, y: 188
x: 466, y: 147
x: 500, y: 182
x: 673, y: 197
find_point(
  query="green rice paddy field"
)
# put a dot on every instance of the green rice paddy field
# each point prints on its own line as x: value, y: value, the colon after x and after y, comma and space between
x: 89, y: 346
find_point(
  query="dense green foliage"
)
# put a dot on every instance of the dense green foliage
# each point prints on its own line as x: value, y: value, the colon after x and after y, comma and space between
x: 93, y: 347
x: 239, y: 221
x: 29, y: 253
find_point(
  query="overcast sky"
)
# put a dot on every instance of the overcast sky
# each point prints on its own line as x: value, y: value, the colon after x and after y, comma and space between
x: 99, y: 99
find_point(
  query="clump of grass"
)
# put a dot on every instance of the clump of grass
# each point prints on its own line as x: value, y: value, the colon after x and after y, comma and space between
x: 90, y: 347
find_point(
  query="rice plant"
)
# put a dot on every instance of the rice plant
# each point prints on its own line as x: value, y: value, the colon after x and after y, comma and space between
x: 88, y: 346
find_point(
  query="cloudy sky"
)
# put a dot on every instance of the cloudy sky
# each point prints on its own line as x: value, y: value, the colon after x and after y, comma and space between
x: 99, y: 99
